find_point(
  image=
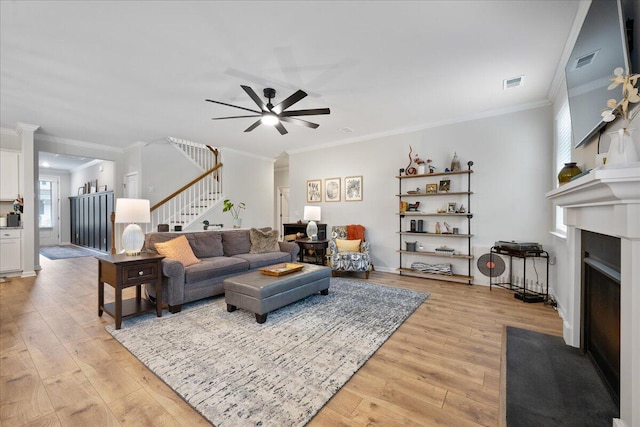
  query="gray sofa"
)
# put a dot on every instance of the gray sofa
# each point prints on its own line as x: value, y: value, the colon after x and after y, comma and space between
x: 222, y: 253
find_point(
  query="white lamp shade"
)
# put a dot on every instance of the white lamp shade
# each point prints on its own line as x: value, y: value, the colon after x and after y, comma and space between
x: 312, y: 213
x: 129, y: 211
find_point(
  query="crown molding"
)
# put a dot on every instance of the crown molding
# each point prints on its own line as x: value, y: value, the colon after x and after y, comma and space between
x: 77, y: 143
x: 244, y: 153
x: 26, y: 126
x: 461, y: 119
x: 559, y: 75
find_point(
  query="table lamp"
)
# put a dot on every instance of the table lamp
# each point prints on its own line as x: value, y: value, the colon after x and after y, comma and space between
x: 312, y: 214
x: 132, y: 211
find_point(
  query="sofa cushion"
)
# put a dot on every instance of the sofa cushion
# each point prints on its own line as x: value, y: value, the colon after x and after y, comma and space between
x: 236, y: 242
x: 206, y: 244
x: 348, y: 245
x: 263, y: 242
x: 214, y: 267
x: 178, y: 249
x: 262, y: 260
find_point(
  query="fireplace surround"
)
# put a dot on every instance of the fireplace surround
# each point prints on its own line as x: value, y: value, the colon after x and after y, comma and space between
x: 606, y: 201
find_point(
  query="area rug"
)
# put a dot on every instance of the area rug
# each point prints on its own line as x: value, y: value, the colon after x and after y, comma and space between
x: 236, y: 372
x: 552, y: 384
x: 66, y: 251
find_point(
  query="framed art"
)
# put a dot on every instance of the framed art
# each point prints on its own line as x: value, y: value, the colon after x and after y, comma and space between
x: 432, y: 188
x: 445, y: 184
x: 314, y: 191
x: 353, y: 188
x: 451, y: 207
x: 80, y: 191
x: 332, y: 190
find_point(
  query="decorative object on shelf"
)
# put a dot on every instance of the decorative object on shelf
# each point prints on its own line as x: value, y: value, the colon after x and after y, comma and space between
x: 353, y: 188
x: 413, y: 226
x: 228, y: 206
x: 420, y: 226
x: 411, y: 246
x: 622, y: 149
x: 314, y: 191
x: 205, y: 224
x: 80, y: 191
x: 445, y: 250
x: 445, y: 184
x: 447, y: 228
x: 312, y: 214
x: 567, y: 172
x: 410, y: 170
x: 432, y: 188
x: 438, y: 229
x: 431, y: 166
x: 451, y: 207
x: 455, y: 163
x: 102, y: 188
x: 413, y: 207
x: 432, y: 268
x: 461, y: 209
x: 416, y: 191
x: 132, y: 211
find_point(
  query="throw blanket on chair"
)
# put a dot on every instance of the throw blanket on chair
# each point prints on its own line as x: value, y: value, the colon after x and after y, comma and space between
x: 355, y: 232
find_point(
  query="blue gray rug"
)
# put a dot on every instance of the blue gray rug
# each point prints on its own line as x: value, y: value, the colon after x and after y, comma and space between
x: 66, y: 251
x: 236, y: 372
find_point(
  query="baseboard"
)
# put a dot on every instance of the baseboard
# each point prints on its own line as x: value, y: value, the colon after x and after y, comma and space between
x: 30, y: 273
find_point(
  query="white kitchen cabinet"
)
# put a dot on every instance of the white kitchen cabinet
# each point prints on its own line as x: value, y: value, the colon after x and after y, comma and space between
x: 9, y: 175
x: 10, y: 250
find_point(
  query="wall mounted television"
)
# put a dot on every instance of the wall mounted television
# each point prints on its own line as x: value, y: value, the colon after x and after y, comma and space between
x: 606, y: 41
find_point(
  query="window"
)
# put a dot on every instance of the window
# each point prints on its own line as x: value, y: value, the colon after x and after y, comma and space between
x: 45, y: 210
x: 563, y: 154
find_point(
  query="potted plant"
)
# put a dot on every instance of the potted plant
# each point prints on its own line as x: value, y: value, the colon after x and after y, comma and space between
x: 235, y: 211
x: 206, y: 224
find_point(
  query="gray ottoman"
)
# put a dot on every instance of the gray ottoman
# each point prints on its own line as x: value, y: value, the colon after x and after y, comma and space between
x: 261, y: 294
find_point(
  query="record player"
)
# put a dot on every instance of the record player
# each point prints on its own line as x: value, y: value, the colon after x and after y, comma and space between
x: 518, y: 248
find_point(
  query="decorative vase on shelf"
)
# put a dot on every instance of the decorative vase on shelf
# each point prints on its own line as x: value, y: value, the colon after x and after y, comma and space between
x: 237, y: 222
x: 422, y: 168
x: 622, y: 149
x: 567, y: 172
x: 455, y: 163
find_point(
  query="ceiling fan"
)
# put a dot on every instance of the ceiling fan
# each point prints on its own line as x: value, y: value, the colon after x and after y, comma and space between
x: 275, y: 115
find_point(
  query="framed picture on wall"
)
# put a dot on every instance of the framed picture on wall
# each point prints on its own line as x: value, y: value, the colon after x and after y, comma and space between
x: 353, y: 188
x: 432, y: 188
x: 80, y: 191
x: 445, y: 184
x: 332, y: 190
x: 314, y: 191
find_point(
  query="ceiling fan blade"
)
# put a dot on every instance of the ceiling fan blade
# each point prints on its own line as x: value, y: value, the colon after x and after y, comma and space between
x: 280, y: 128
x: 299, y: 122
x: 234, y: 106
x: 297, y: 96
x: 311, y: 112
x: 255, y: 97
x: 253, y: 126
x: 235, y: 117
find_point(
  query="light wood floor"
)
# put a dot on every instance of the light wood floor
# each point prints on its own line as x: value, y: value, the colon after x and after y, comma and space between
x: 58, y: 366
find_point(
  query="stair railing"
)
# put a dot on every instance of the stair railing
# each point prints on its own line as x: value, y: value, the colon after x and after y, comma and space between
x: 185, y: 205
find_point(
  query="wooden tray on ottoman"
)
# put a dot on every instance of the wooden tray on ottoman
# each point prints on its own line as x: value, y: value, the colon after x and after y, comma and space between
x: 281, y: 269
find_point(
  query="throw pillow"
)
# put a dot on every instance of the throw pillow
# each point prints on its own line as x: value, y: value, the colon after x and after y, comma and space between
x: 348, y: 245
x: 263, y: 241
x: 178, y: 249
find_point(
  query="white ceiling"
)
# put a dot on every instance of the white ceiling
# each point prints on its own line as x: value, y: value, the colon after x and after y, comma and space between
x: 116, y: 72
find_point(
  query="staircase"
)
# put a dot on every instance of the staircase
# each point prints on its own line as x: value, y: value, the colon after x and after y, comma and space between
x: 187, y: 205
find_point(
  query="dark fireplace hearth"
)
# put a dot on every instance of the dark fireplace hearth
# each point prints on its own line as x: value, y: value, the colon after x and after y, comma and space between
x: 601, y: 306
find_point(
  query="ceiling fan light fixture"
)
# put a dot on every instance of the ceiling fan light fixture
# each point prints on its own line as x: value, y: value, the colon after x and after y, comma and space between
x: 270, y: 119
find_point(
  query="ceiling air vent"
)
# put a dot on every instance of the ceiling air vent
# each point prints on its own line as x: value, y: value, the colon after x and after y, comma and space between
x: 585, y: 60
x: 512, y: 82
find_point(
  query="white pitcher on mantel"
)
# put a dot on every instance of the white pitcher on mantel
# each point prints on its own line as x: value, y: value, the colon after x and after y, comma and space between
x: 622, y: 149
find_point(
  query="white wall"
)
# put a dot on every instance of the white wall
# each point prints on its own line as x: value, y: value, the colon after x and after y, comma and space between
x: 512, y: 163
x: 104, y: 171
x: 249, y: 179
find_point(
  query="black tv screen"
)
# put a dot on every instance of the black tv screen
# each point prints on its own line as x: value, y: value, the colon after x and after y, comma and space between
x: 601, y: 47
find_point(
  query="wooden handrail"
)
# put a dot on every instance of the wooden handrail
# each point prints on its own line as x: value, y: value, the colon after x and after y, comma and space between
x: 184, y: 187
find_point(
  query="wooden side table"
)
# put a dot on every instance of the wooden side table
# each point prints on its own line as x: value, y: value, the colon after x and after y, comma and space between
x: 122, y: 271
x: 319, y: 249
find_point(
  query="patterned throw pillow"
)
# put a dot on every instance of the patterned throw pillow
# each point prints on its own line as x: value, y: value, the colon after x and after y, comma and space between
x: 263, y: 241
x: 178, y: 249
x: 348, y: 245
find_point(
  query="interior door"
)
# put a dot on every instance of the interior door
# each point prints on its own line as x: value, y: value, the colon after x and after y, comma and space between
x: 283, y: 207
x: 49, y: 210
x: 131, y: 185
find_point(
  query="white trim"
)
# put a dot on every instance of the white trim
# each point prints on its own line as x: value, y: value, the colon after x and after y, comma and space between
x: 9, y: 132
x: 77, y: 143
x: 461, y: 119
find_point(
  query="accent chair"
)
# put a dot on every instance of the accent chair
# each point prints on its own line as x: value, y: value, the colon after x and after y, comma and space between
x: 348, y: 251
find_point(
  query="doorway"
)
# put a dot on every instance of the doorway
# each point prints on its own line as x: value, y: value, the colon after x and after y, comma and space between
x: 283, y: 207
x: 49, y: 210
x: 131, y: 185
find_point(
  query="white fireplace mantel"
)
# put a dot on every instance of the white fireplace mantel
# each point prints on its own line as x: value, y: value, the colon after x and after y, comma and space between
x: 607, y: 201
